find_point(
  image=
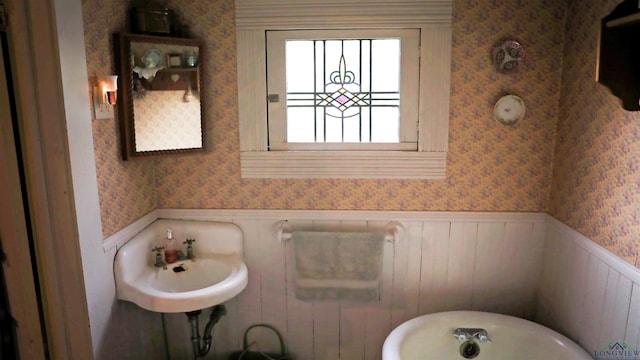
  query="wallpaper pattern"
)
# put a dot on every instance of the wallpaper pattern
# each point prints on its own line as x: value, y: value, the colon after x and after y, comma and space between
x: 126, y: 189
x: 491, y: 167
x: 596, y: 180
x: 594, y: 188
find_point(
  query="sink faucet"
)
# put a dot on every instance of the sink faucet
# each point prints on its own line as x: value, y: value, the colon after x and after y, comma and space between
x: 159, y: 261
x: 190, y: 255
x: 464, y: 334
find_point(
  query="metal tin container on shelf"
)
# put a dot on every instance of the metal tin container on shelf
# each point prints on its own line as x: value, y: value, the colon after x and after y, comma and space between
x: 155, y: 21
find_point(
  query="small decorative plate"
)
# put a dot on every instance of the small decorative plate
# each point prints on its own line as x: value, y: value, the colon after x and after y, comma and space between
x: 509, y: 110
x: 151, y: 59
x: 508, y: 56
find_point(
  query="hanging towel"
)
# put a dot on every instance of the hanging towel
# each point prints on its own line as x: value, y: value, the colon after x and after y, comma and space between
x: 337, y: 265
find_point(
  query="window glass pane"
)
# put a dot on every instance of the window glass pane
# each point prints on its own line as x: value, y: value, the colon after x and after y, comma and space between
x: 365, y: 65
x: 299, y: 60
x: 300, y: 127
x: 386, y: 65
x: 366, y: 124
x: 352, y: 129
x: 319, y: 124
x: 384, y: 125
x: 319, y: 60
x: 343, y: 82
x: 334, y: 129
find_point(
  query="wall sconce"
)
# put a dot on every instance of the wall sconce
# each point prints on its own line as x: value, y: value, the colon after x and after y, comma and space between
x: 109, y: 87
x: 105, y: 94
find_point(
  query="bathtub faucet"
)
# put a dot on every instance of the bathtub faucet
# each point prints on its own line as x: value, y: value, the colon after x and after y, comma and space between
x: 464, y: 334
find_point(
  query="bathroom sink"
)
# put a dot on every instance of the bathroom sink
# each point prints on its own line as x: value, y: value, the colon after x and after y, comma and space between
x: 216, y: 275
x: 190, y: 275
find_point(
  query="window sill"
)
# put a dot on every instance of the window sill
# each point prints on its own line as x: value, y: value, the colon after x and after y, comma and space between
x: 343, y: 164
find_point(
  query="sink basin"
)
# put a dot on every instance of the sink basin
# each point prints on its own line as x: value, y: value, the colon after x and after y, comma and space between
x: 216, y: 275
x: 188, y: 275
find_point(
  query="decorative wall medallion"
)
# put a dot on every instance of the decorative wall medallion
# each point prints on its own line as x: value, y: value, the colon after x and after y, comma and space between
x: 508, y: 56
x: 509, y: 109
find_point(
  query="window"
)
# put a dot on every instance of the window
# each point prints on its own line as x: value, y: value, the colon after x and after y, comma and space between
x: 344, y: 90
x: 363, y: 95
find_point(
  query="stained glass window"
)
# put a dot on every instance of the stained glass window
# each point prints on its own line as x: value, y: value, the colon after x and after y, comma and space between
x: 263, y: 32
x: 343, y: 90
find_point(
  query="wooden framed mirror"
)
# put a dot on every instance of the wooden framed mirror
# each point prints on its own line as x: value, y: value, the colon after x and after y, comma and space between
x: 160, y: 102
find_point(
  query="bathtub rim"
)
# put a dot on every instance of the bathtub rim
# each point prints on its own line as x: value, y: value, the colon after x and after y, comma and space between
x: 392, y: 343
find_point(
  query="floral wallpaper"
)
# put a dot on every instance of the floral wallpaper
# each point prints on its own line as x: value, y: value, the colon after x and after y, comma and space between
x: 573, y: 125
x: 596, y: 180
x: 491, y: 167
x: 126, y: 189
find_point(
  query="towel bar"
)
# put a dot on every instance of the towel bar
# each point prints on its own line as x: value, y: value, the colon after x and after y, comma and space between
x: 393, y: 231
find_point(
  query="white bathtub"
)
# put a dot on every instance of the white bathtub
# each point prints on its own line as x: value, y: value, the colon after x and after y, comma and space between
x: 430, y: 337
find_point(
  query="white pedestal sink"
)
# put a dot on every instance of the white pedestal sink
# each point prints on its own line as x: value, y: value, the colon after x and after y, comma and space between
x: 217, y: 274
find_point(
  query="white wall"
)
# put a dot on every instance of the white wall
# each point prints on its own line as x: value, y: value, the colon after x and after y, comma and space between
x: 96, y: 267
x: 528, y: 265
x: 587, y: 293
x: 447, y: 261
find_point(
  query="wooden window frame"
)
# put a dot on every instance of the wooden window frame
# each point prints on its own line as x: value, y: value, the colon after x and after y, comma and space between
x: 433, y: 18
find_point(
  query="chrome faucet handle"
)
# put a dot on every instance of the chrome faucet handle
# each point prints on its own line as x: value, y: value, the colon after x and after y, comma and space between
x: 464, y: 334
x: 482, y: 336
x: 189, y: 243
x: 159, y: 261
x: 460, y: 334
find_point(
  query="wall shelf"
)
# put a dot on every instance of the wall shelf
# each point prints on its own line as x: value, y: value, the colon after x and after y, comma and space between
x: 619, y: 54
x: 176, y: 78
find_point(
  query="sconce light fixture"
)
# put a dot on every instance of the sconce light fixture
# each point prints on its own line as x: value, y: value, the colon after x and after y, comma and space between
x: 105, y: 94
x: 109, y: 87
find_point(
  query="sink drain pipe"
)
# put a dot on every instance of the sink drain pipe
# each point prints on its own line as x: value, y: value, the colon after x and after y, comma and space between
x: 200, y: 350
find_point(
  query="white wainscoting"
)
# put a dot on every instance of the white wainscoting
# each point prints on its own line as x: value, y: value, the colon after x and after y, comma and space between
x: 446, y: 261
x: 588, y: 293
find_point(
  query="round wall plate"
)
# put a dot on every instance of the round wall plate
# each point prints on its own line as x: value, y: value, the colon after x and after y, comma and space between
x: 509, y: 109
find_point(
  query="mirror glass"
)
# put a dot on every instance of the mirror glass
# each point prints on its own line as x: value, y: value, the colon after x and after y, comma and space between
x: 160, y: 107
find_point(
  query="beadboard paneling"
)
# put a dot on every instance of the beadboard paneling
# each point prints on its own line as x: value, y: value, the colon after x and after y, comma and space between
x: 588, y: 293
x: 444, y: 261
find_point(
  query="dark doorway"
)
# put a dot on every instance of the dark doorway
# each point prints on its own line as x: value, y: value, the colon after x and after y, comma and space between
x: 8, y: 347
